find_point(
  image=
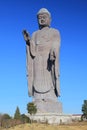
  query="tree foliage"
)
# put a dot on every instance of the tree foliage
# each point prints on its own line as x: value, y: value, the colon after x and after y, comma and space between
x: 84, y: 109
x: 6, y: 116
x: 25, y: 119
x: 17, y: 114
x: 31, y: 107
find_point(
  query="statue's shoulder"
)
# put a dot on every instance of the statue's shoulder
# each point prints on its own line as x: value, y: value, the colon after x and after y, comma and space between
x: 34, y: 33
x: 54, y: 30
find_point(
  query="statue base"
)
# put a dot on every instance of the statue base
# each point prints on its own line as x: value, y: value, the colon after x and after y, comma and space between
x: 54, y: 118
x: 48, y: 106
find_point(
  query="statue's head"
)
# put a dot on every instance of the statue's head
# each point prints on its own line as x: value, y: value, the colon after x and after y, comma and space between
x: 44, y: 18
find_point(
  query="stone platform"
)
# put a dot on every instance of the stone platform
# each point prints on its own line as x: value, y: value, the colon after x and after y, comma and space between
x: 48, y: 106
x: 52, y: 118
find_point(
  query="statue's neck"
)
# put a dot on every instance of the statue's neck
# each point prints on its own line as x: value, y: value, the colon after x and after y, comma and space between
x: 43, y: 26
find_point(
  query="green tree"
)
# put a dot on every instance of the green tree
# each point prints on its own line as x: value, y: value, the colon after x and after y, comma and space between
x: 17, y: 114
x: 32, y: 109
x: 84, y: 109
x: 4, y: 122
x: 25, y: 119
x: 6, y: 116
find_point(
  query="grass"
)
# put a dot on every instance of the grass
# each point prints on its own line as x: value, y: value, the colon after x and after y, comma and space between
x: 36, y: 126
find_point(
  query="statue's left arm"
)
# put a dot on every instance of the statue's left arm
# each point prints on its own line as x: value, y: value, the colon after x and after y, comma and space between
x: 54, y: 56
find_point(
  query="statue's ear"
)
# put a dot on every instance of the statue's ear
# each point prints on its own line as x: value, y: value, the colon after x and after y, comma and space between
x: 50, y: 19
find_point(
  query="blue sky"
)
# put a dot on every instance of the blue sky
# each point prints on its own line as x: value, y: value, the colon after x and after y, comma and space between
x: 70, y: 18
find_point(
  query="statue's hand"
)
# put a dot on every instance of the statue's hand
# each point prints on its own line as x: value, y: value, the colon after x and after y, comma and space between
x: 26, y: 35
x: 52, y: 55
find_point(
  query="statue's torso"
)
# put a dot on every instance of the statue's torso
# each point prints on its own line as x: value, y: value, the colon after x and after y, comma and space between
x: 42, y: 76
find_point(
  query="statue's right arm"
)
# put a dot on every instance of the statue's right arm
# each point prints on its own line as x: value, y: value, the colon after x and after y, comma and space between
x: 30, y: 43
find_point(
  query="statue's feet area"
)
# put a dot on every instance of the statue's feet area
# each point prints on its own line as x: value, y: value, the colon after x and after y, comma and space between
x: 44, y: 106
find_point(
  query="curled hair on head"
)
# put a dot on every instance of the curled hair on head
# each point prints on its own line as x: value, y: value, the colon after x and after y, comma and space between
x: 44, y: 10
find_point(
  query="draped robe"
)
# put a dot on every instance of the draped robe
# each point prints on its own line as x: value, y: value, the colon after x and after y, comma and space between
x: 43, y: 61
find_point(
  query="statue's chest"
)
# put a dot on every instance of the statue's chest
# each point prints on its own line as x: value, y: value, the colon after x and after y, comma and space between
x: 43, y: 49
x: 43, y: 37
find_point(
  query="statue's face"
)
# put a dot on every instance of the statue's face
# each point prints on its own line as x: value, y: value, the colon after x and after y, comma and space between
x: 44, y: 19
